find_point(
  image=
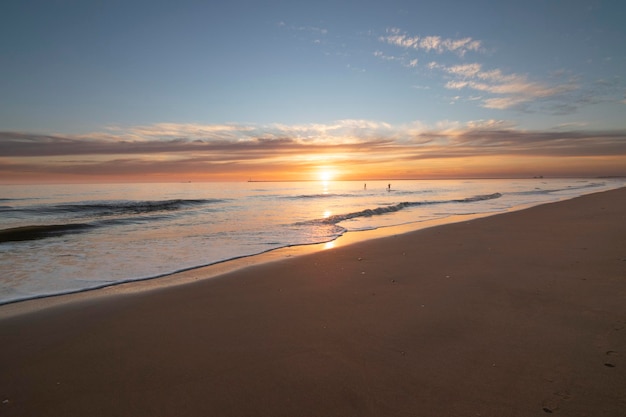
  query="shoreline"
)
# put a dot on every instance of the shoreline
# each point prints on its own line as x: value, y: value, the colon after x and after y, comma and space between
x: 27, y: 303
x: 516, y: 314
x: 216, y: 270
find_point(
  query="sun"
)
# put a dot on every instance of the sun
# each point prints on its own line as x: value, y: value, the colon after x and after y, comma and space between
x: 326, y: 174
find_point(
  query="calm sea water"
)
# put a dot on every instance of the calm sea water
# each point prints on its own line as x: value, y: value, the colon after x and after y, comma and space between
x: 63, y: 238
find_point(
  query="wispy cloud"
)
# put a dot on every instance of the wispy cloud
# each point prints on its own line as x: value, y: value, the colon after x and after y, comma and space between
x: 313, y: 34
x: 217, y: 151
x: 404, y: 60
x: 511, y: 89
x: 397, y: 37
x: 175, y: 138
x: 500, y: 90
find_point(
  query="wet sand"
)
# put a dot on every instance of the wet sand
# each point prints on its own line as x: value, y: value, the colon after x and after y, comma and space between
x: 519, y: 314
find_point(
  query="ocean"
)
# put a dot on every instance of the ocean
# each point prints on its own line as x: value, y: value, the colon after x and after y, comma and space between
x: 57, y: 239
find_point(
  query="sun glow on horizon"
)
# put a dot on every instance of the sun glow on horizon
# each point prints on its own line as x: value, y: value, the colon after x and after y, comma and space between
x: 326, y: 174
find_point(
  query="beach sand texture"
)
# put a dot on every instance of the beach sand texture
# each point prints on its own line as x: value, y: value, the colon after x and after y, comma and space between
x: 518, y: 314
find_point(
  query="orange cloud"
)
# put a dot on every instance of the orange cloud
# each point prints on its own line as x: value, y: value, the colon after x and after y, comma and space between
x: 353, y: 149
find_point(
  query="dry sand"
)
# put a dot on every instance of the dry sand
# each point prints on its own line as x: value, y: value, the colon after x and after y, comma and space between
x: 519, y: 314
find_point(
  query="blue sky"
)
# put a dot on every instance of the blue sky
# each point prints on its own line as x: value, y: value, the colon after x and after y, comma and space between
x: 114, y: 70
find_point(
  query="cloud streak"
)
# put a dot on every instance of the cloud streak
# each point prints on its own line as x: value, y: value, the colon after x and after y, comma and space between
x: 363, y: 148
x: 511, y: 89
x: 501, y: 90
x: 437, y: 44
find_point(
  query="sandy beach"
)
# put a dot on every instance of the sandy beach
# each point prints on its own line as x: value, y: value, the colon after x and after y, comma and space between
x: 518, y: 314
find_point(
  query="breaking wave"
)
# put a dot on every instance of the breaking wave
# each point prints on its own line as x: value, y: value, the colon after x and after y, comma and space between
x: 397, y: 207
x: 86, y: 216
x: 543, y: 191
x: 112, y: 208
x: 35, y: 232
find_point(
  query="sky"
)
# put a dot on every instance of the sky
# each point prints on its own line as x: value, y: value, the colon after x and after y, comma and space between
x: 184, y: 90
